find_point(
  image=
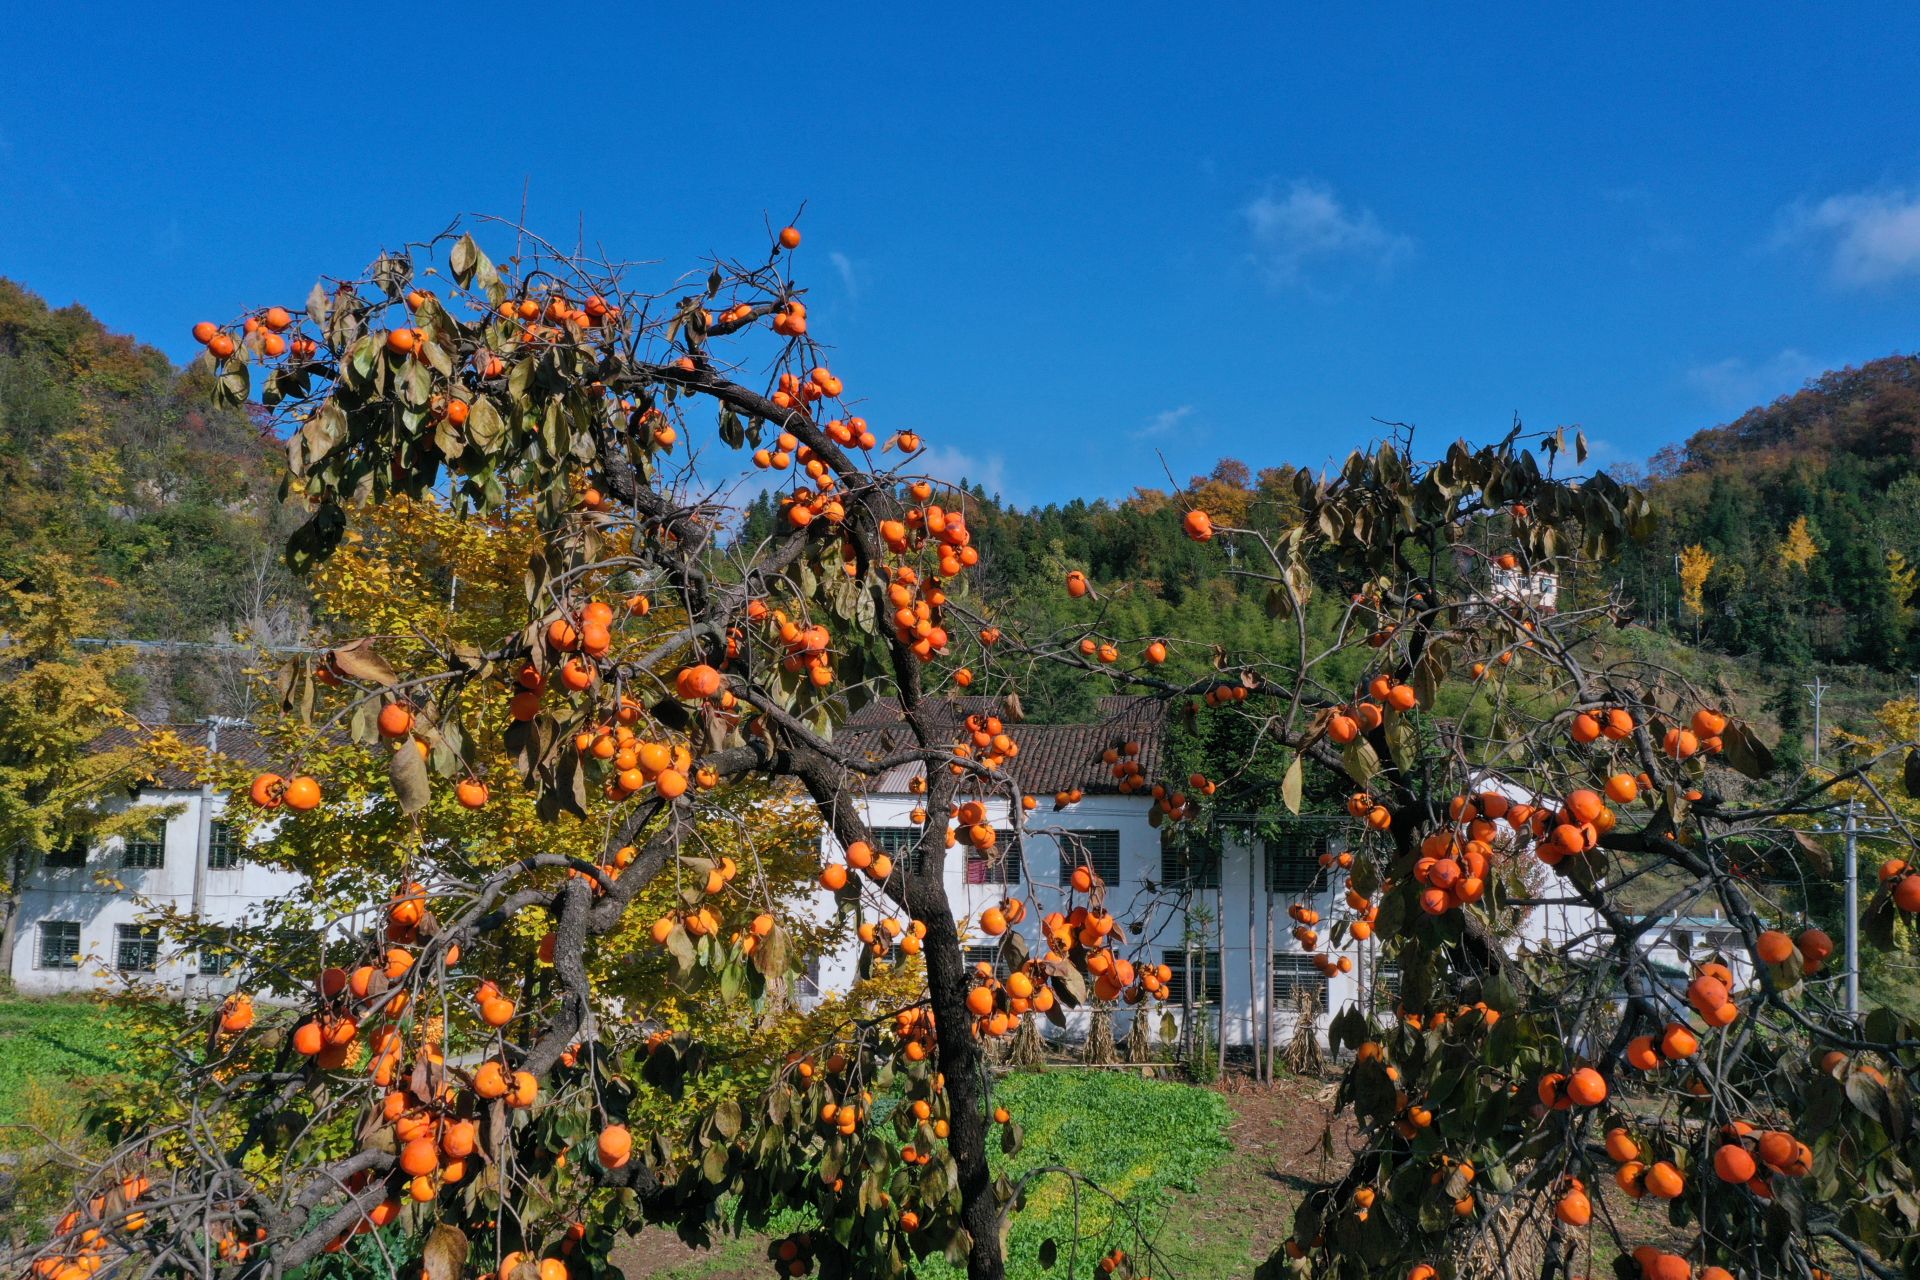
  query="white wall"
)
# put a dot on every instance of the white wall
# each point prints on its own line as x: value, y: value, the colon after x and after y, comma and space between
x: 75, y: 894
x: 1163, y: 922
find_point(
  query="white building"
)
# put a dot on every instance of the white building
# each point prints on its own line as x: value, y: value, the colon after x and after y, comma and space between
x: 1203, y: 911
x: 1539, y: 591
x: 76, y: 931
x: 1214, y: 909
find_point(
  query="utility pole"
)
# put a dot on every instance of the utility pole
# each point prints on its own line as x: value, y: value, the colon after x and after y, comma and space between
x: 1853, y: 914
x: 1679, y: 592
x: 203, y: 843
x: 1818, y: 689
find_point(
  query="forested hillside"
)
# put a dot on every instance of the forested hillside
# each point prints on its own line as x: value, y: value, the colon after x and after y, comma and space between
x: 111, y: 459
x: 1803, y: 514
x: 1808, y: 512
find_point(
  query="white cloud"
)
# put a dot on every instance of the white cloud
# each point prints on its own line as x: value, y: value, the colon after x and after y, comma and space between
x: 1737, y: 384
x: 1307, y: 225
x: 848, y: 280
x: 947, y: 465
x: 1164, y: 422
x: 1874, y: 236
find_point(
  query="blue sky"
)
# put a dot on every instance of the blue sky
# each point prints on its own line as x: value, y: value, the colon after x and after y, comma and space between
x: 1062, y: 238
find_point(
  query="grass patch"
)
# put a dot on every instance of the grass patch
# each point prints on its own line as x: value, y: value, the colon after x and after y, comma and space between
x: 1142, y: 1140
x: 52, y: 1045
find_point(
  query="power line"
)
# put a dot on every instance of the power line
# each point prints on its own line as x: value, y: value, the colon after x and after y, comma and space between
x: 183, y: 646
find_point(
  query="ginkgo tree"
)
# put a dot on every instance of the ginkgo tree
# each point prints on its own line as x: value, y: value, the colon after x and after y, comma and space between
x: 441, y: 1094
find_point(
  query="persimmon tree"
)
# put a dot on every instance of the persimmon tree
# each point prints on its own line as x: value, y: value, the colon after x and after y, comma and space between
x: 452, y: 1083
x: 458, y: 1064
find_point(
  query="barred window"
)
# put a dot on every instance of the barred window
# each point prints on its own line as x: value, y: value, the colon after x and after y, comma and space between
x: 899, y: 843
x: 990, y: 955
x: 137, y: 948
x: 60, y: 944
x: 1099, y: 850
x: 1294, y: 974
x: 999, y: 865
x: 147, y: 848
x: 1189, y: 860
x: 71, y: 854
x: 1206, y: 973
x: 1293, y: 858
x: 223, y: 846
x: 215, y: 956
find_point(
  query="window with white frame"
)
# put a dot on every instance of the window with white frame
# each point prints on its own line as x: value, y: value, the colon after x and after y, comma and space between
x: 998, y: 865
x: 1206, y: 975
x: 136, y: 948
x: 1295, y: 974
x: 1097, y: 850
x: 215, y: 956
x: 990, y: 955
x: 146, y: 848
x: 223, y: 846
x: 72, y: 853
x: 59, y: 944
x: 900, y: 844
x: 1189, y: 860
x: 1293, y: 858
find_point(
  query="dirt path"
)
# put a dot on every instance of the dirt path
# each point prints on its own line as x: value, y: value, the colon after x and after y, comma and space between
x: 1244, y: 1206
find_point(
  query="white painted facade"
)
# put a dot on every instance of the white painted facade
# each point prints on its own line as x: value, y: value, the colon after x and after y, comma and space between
x: 1221, y: 916
x: 77, y: 932
x: 1231, y: 921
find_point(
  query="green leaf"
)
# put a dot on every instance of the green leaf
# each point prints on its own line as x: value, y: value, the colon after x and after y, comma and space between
x: 231, y: 386
x: 408, y: 772
x: 358, y: 660
x: 1360, y: 761
x: 680, y: 947
x: 484, y: 425
x: 464, y: 257
x: 713, y: 1165
x: 445, y: 1253
x: 447, y: 439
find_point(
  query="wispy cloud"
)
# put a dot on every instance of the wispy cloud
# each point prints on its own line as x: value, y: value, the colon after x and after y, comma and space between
x: 949, y: 465
x: 849, y: 280
x: 1307, y: 227
x: 1164, y: 422
x: 1737, y: 383
x: 1873, y: 236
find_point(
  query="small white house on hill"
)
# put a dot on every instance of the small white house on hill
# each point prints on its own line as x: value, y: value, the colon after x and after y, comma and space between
x: 75, y: 931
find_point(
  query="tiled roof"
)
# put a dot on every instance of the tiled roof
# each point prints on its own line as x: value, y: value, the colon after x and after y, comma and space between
x: 1053, y: 757
x: 241, y: 743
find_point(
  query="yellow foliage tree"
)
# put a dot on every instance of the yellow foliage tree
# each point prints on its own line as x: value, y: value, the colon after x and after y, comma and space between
x: 427, y: 580
x: 1902, y: 579
x: 55, y: 700
x: 1799, y: 548
x: 1696, y: 562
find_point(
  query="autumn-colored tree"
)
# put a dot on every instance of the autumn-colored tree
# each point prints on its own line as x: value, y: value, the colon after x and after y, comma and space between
x: 1696, y: 562
x: 55, y: 700
x: 1798, y: 548
x: 1510, y: 1089
x: 1903, y: 579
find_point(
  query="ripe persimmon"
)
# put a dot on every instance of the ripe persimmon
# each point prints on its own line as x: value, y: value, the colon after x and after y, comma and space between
x: 615, y: 1145
x: 302, y: 793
